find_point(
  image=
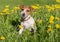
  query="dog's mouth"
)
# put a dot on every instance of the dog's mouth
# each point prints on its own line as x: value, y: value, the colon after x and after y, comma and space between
x: 25, y: 18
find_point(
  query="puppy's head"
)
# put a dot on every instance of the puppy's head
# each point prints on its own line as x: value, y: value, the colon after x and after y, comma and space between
x: 25, y: 10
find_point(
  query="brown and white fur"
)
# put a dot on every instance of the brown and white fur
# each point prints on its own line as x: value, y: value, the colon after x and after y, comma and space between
x: 27, y: 21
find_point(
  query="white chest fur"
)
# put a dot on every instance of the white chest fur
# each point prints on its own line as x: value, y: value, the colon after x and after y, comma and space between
x: 28, y: 23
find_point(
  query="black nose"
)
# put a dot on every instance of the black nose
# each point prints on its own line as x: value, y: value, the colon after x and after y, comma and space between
x: 23, y: 14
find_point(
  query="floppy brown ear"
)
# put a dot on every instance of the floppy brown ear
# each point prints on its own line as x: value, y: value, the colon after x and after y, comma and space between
x: 21, y: 7
x: 31, y: 8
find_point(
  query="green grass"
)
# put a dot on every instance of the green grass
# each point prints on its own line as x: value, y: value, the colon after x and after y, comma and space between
x: 10, y: 32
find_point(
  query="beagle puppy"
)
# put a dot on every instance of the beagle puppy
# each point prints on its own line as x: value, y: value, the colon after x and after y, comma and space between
x: 27, y: 21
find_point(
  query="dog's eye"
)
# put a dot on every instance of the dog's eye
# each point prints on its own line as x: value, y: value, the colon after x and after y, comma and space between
x: 28, y: 10
x: 22, y: 9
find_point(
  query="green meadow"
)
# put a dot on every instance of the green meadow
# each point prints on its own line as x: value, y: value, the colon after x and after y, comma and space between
x: 46, y: 14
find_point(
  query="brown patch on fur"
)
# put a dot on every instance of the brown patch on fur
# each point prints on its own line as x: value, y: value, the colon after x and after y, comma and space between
x: 29, y: 8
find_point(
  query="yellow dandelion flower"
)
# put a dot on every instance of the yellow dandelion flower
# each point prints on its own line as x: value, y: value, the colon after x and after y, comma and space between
x: 7, y: 6
x: 5, y: 10
x: 57, y: 6
x: 57, y: 26
x: 20, y: 26
x: 57, y: 18
x: 53, y: 7
x: 36, y: 6
x: 49, y: 10
x: 15, y: 8
x: 48, y: 7
x: 51, y: 18
x: 2, y: 38
x: 57, y: 0
x: 40, y: 21
x: 49, y: 28
x: 51, y: 22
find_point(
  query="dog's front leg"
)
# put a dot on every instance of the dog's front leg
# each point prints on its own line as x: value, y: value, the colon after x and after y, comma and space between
x: 21, y: 30
x: 34, y: 28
